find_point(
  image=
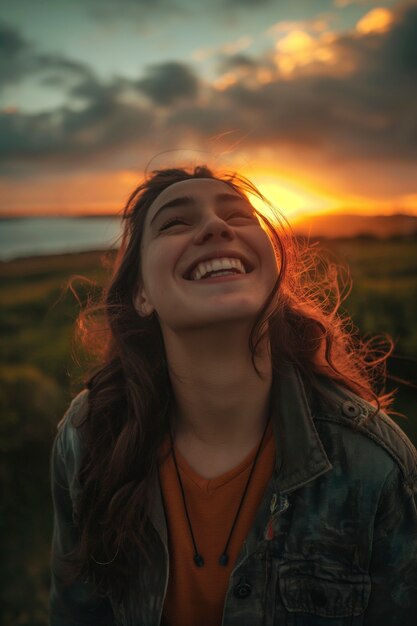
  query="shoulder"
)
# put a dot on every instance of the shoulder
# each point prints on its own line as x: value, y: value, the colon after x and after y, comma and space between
x: 68, y: 440
x: 357, y: 418
x: 68, y: 450
x: 77, y: 409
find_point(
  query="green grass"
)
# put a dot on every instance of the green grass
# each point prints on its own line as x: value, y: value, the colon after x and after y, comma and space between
x: 384, y: 294
x: 38, y: 377
x: 36, y: 373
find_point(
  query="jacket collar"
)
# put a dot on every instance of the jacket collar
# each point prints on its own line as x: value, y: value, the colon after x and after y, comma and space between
x: 300, y: 455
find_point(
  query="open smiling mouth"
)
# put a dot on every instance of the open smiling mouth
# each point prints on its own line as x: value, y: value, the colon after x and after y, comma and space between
x: 216, y: 268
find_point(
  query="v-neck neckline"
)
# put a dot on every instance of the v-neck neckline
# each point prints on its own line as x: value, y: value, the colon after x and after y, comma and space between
x: 211, y: 484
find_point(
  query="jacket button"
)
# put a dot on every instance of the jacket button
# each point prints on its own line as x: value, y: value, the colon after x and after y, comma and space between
x: 242, y: 590
x: 350, y: 409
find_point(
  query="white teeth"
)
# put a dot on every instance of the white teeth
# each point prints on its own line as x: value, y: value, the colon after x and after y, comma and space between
x: 219, y: 266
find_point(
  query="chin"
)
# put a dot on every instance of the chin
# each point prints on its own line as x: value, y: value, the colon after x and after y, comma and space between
x: 222, y: 317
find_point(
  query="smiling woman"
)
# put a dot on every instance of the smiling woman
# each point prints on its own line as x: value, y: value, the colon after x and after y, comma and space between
x: 205, y: 259
x: 230, y: 461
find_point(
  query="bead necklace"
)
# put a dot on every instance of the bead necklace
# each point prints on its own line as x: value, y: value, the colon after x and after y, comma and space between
x: 224, y: 557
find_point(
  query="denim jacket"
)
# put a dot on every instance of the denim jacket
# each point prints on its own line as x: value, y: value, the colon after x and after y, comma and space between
x: 334, y: 542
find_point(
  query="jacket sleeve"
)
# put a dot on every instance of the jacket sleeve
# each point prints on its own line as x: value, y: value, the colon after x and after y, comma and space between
x: 393, y: 597
x: 75, y: 604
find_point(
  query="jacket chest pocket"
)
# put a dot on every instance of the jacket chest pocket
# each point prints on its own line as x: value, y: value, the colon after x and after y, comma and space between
x: 317, y: 594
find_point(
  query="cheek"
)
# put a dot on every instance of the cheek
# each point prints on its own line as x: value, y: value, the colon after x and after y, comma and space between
x: 270, y: 258
x: 157, y: 272
x: 152, y: 277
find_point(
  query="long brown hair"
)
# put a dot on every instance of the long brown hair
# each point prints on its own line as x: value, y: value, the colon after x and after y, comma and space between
x: 130, y: 392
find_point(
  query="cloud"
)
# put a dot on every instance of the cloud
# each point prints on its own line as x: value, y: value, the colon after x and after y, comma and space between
x: 242, y: 68
x: 344, y: 3
x: 317, y: 24
x: 167, y: 83
x: 104, y: 124
x: 398, y: 55
x: 67, y: 136
x: 19, y: 59
x: 102, y: 119
x: 14, y: 58
x: 360, y: 108
x: 236, y: 62
x: 364, y: 112
x: 11, y: 42
x: 376, y: 21
x: 229, y: 48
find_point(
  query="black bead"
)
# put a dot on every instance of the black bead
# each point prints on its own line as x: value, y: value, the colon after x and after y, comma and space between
x: 198, y: 560
x: 223, y: 560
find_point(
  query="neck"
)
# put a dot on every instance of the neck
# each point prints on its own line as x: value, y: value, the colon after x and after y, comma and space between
x: 220, y: 399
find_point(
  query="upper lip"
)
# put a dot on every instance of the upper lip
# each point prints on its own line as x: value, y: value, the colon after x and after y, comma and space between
x: 219, y: 254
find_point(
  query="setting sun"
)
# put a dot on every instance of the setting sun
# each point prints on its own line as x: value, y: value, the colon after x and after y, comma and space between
x: 291, y: 199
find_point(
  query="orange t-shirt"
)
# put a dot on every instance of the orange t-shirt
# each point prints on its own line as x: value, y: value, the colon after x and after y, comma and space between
x: 196, y: 595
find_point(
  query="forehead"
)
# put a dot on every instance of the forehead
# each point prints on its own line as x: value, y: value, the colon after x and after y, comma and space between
x: 198, y: 188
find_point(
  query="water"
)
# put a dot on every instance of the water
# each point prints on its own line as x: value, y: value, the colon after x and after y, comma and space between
x: 41, y: 236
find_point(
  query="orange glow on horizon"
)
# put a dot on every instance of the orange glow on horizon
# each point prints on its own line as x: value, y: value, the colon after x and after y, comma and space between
x: 298, y: 201
x: 106, y: 193
x: 292, y: 199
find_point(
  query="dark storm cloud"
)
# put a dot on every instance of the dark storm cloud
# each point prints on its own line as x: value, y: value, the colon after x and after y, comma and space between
x: 167, y: 83
x: 13, y: 54
x: 104, y: 122
x: 236, y: 62
x: 11, y: 42
x: 72, y: 136
x: 108, y: 118
x: 19, y: 59
x: 208, y: 122
x: 58, y: 68
x: 370, y: 113
x: 399, y: 53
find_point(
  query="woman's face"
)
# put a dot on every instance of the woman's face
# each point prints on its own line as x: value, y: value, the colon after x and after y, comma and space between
x: 205, y: 258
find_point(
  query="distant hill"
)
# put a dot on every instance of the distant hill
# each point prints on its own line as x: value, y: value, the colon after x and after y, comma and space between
x: 352, y: 225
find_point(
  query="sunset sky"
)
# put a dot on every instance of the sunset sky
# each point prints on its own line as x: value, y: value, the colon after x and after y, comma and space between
x: 313, y: 100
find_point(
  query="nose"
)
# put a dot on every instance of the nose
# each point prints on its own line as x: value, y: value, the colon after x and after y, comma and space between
x: 214, y: 227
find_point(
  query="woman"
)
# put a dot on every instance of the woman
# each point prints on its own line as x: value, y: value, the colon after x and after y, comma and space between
x: 229, y: 462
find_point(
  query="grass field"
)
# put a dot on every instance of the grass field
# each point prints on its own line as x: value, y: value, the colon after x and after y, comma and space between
x: 38, y: 378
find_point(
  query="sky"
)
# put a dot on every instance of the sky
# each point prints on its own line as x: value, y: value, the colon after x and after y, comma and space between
x: 313, y: 100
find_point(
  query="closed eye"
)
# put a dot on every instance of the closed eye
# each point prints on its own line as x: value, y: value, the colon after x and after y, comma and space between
x: 173, y: 221
x: 242, y: 215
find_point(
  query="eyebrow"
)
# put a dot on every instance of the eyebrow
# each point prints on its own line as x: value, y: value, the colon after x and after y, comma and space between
x: 189, y: 201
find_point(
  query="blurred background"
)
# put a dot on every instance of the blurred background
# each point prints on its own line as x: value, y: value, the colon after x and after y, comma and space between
x: 314, y: 101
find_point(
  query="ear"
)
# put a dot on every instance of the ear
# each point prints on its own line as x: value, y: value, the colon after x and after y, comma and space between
x: 142, y: 303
